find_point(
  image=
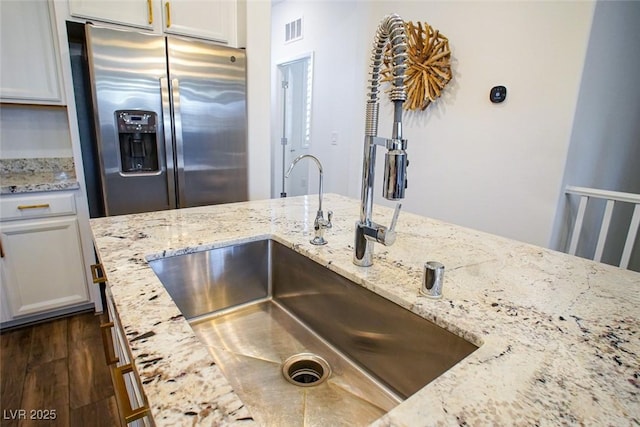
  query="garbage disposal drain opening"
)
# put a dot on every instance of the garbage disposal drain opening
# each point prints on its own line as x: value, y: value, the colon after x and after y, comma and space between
x: 306, y: 369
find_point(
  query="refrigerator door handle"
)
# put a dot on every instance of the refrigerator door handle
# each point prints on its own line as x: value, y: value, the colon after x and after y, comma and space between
x: 168, y: 141
x: 179, y: 147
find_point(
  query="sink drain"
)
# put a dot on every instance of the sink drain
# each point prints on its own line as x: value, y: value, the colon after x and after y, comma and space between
x: 306, y: 369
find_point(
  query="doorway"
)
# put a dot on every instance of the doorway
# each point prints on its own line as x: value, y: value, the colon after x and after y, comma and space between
x: 295, y: 79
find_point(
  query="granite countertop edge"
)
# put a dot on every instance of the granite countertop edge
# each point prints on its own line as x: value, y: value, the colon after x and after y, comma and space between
x: 38, y: 186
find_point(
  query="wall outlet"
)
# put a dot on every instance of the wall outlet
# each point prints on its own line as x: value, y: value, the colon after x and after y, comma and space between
x: 334, y: 138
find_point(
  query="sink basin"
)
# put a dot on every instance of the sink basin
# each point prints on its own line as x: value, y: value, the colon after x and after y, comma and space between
x: 257, y: 304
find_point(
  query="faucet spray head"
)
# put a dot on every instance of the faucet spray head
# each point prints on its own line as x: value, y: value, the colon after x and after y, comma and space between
x: 395, y: 160
x: 395, y: 172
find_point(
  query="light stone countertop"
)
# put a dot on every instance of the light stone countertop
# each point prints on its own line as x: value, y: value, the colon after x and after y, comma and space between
x: 37, y: 174
x: 558, y: 336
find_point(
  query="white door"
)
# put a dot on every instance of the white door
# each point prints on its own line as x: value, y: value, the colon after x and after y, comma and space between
x: 295, y: 80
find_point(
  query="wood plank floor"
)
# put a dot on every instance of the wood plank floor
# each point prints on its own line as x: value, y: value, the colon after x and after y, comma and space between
x: 56, y: 370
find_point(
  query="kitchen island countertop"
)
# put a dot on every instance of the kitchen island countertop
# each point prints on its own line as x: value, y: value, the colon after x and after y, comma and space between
x: 558, y: 336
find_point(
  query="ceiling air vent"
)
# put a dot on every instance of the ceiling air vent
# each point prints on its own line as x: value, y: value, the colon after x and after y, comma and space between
x: 293, y: 31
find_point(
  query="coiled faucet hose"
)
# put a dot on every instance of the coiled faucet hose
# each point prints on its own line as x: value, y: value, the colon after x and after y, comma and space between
x: 390, y: 30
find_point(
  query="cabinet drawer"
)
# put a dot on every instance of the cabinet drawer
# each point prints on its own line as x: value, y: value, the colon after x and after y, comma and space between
x: 36, y: 206
x: 133, y: 404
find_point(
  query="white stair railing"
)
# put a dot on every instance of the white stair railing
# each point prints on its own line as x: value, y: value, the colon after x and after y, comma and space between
x: 611, y: 197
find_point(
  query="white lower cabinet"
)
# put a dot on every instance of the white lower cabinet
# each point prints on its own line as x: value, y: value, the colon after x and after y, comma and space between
x: 41, y: 258
x: 42, y: 265
x: 132, y: 403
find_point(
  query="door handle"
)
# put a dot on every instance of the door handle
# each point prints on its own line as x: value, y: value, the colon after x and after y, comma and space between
x: 179, y: 141
x: 1, y: 250
x: 168, y: 140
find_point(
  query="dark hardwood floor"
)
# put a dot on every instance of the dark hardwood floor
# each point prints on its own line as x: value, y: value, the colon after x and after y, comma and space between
x: 55, y: 374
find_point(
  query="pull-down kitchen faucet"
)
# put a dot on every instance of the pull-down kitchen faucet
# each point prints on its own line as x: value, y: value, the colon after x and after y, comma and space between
x: 320, y: 224
x: 391, y: 30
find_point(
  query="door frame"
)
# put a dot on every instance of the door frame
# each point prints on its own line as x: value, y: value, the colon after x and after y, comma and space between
x: 279, y: 158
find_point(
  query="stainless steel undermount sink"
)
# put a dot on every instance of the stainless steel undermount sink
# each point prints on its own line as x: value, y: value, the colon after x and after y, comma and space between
x: 257, y: 304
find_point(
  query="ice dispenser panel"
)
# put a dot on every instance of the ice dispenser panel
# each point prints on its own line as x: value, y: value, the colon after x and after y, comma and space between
x: 137, y: 131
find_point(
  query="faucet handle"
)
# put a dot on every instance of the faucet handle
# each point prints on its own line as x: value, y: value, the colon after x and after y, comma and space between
x: 394, y: 219
x: 388, y: 236
x: 329, y: 216
x: 382, y: 234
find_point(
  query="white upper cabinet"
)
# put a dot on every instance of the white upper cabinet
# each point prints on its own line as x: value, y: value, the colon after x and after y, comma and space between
x: 29, y: 61
x: 219, y: 20
x: 136, y: 13
x: 213, y: 20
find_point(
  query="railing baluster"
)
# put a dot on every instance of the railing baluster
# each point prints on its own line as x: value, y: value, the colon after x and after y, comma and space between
x: 631, y: 237
x: 611, y: 197
x: 575, y: 235
x: 604, y: 230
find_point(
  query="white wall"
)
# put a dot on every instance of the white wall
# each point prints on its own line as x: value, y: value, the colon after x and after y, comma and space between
x: 605, y: 142
x: 258, y: 96
x: 494, y: 167
x: 27, y: 132
x: 332, y: 31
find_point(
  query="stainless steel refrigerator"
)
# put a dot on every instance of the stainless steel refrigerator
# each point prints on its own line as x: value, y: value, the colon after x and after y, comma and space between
x: 171, y: 120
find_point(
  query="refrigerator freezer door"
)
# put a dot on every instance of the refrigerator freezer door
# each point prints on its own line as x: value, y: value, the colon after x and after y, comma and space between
x: 208, y: 86
x: 126, y: 69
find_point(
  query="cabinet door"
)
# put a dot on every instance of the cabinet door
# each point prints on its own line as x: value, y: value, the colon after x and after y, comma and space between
x: 212, y: 19
x: 42, y: 265
x: 29, y: 67
x: 137, y: 13
x: 5, y: 315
